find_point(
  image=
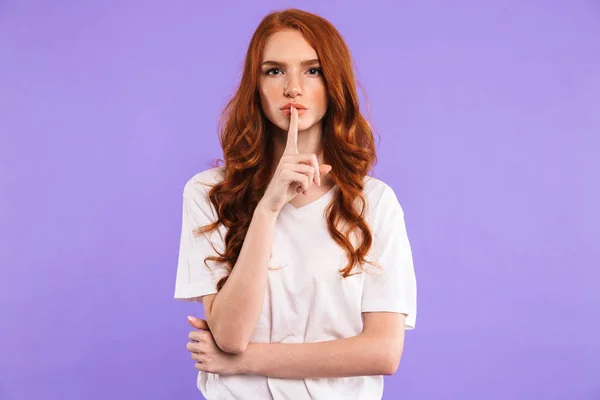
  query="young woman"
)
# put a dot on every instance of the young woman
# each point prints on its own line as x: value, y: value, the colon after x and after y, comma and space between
x: 300, y: 258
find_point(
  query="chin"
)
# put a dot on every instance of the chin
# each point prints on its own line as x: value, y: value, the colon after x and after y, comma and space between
x: 285, y: 125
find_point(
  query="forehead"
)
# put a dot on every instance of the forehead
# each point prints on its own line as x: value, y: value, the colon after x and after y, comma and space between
x: 288, y: 46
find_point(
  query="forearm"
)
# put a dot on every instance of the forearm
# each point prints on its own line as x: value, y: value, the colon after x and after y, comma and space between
x: 355, y: 356
x: 237, y: 306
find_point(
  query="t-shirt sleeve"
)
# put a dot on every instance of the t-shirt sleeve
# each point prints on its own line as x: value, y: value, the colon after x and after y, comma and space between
x: 194, y: 279
x: 394, y: 288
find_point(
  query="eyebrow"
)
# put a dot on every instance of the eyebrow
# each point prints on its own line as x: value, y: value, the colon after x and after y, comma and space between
x: 303, y: 63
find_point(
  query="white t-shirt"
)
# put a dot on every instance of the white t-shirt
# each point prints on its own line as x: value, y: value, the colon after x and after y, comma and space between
x: 307, y: 299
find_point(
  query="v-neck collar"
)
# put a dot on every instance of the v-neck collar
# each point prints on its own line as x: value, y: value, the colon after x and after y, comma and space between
x: 312, y: 205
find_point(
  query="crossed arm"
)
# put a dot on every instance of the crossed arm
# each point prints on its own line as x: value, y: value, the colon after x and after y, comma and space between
x: 375, y: 351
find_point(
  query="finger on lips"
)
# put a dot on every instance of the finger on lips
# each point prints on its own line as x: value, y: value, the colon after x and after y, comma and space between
x: 292, y: 145
x: 292, y: 137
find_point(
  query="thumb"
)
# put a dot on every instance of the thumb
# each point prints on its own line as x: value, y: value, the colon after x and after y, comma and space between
x: 198, y: 323
x: 325, y: 169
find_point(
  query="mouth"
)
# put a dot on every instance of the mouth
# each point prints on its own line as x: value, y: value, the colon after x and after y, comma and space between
x: 287, y: 111
x: 297, y: 106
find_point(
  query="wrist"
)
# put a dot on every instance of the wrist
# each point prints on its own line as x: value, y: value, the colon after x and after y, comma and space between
x: 245, y: 365
x: 265, y: 211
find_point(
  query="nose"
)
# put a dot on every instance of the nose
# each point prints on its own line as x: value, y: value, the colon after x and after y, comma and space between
x: 291, y: 93
x: 292, y: 87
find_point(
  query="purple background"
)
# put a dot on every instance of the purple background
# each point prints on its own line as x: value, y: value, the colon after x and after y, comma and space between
x: 489, y: 116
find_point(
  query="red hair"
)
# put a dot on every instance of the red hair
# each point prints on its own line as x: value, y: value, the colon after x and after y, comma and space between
x: 348, y: 144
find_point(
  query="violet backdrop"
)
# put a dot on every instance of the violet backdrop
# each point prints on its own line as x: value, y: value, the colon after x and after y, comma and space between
x: 489, y: 118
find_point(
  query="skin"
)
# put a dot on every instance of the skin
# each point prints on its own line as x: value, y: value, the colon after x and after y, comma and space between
x: 375, y: 351
x: 294, y: 174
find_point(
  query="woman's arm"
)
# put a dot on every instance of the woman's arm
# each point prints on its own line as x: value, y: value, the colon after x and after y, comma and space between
x: 375, y: 351
x: 233, y: 312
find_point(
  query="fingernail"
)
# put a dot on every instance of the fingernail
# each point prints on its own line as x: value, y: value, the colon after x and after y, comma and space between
x: 193, y: 319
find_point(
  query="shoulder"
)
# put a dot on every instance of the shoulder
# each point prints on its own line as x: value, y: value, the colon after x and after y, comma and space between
x: 374, y: 188
x: 200, y: 183
x: 381, y: 197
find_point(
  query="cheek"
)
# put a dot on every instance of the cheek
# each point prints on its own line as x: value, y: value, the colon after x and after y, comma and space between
x: 269, y: 93
x: 265, y: 101
x: 319, y: 94
x: 320, y: 101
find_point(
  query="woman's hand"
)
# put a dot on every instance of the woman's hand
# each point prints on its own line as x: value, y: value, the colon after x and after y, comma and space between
x: 208, y: 356
x: 295, y: 172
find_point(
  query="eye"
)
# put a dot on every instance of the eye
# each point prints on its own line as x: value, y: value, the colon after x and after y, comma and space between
x: 268, y: 72
x: 316, y: 69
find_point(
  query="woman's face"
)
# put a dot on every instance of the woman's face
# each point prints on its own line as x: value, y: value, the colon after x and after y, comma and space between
x: 290, y: 73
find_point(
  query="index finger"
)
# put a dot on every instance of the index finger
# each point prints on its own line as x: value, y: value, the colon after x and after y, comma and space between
x: 291, y: 146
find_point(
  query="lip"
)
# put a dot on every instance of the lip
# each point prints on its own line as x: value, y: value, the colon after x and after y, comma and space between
x: 287, y: 112
x: 297, y: 106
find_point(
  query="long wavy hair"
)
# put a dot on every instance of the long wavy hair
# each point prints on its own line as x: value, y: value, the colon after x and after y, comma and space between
x: 348, y: 144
